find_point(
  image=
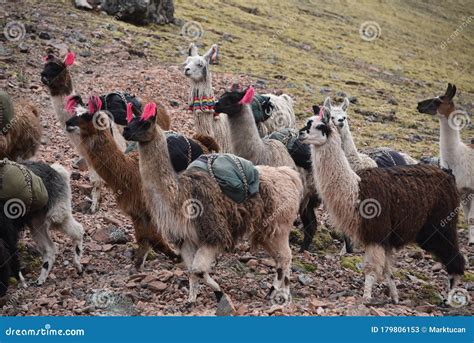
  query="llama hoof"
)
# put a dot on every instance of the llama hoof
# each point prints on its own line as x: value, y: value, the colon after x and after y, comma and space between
x: 280, y: 297
x: 187, y: 307
x: 39, y: 282
x: 80, y: 270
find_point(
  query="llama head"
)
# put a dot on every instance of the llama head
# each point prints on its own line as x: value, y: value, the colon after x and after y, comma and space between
x: 196, y: 67
x: 318, y: 128
x: 88, y: 119
x: 442, y: 105
x: 55, y: 74
x: 141, y: 128
x: 231, y: 102
x: 338, y: 112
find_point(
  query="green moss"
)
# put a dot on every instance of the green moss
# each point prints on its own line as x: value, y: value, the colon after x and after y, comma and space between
x: 323, y: 240
x: 468, y: 277
x: 308, y: 267
x: 351, y: 262
x: 428, y: 293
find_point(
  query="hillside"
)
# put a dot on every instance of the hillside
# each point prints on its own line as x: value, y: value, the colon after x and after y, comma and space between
x: 309, y: 49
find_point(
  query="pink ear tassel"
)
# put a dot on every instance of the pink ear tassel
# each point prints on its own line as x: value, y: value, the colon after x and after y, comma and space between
x: 69, y: 59
x: 94, y: 104
x: 321, y: 112
x: 248, y: 97
x: 129, y: 112
x: 149, y: 111
x: 70, y: 104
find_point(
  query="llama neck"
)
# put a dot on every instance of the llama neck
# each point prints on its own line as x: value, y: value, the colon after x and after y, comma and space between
x: 159, y: 178
x: 348, y: 144
x: 102, y: 147
x: 58, y: 104
x: 449, y: 142
x: 202, y: 89
x: 337, y: 183
x: 244, y: 134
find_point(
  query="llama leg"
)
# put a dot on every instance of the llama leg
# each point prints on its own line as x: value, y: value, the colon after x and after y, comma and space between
x: 47, y: 248
x: 97, y: 185
x: 310, y: 222
x: 442, y: 241
x: 374, y: 264
x: 75, y: 231
x: 469, y: 215
x: 389, y: 275
x: 188, y: 251
x: 203, y: 261
x: 279, y: 249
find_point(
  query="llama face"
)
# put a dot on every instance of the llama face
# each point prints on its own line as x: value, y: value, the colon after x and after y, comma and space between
x: 442, y: 105
x: 56, y: 76
x: 317, y: 129
x: 229, y: 103
x: 338, y: 112
x: 140, y: 130
x: 196, y: 67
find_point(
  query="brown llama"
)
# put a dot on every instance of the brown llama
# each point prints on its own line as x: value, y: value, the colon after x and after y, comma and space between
x: 247, y: 143
x: 20, y: 137
x: 384, y: 209
x: 218, y: 223
x: 121, y: 173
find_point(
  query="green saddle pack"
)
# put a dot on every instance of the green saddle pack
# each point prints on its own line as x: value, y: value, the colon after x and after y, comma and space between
x: 18, y: 182
x: 237, y: 177
x: 6, y: 112
x: 261, y: 108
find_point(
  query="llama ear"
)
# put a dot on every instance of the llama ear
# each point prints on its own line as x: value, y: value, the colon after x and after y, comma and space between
x: 71, y: 103
x: 94, y: 104
x: 327, y: 103
x: 149, y: 111
x: 212, y: 54
x: 130, y: 114
x: 325, y: 115
x: 345, y: 104
x: 193, y: 50
x: 69, y: 59
x: 248, y: 97
x: 316, y: 110
x: 453, y: 92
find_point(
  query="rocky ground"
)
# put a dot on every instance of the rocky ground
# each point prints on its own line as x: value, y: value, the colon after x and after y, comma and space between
x: 323, y: 281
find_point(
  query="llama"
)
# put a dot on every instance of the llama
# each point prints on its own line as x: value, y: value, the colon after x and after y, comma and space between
x: 56, y: 214
x: 58, y: 79
x: 121, y: 173
x: 384, y: 209
x: 454, y: 154
x: 9, y: 260
x: 219, y: 222
x: 20, y: 138
x: 247, y: 143
x: 378, y: 157
x: 201, y: 102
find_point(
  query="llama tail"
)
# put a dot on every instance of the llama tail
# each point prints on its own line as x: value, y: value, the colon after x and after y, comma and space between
x: 62, y: 171
x: 208, y: 142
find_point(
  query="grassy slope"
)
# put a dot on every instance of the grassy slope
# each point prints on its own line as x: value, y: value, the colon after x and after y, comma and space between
x: 405, y: 62
x: 269, y: 44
